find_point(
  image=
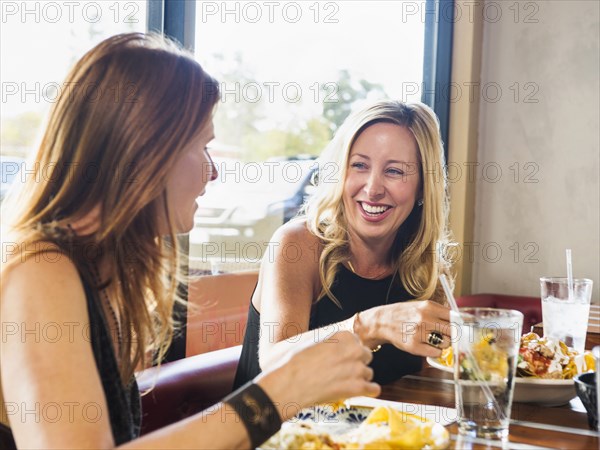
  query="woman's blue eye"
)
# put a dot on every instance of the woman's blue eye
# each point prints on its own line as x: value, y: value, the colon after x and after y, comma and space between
x: 396, y: 172
x: 358, y: 165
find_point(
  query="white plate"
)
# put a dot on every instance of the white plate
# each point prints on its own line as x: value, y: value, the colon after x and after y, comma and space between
x: 533, y: 390
x: 322, y: 419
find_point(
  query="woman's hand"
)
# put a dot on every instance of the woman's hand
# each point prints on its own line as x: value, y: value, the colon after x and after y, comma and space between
x: 328, y: 371
x: 407, y: 326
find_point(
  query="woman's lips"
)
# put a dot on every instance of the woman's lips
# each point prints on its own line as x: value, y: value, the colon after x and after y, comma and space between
x: 374, y: 217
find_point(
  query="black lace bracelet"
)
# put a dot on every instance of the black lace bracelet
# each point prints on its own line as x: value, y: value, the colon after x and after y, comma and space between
x: 257, y: 411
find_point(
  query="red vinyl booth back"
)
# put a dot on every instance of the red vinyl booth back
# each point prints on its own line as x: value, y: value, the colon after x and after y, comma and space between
x: 531, y: 307
x: 182, y: 388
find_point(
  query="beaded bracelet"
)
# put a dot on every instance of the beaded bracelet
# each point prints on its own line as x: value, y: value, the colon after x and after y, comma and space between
x: 257, y: 411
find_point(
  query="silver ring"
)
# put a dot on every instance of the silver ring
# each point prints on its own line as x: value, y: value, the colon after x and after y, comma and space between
x: 435, y: 339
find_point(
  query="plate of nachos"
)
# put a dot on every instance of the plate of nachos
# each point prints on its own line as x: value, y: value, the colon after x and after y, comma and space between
x: 358, y: 427
x: 545, y: 370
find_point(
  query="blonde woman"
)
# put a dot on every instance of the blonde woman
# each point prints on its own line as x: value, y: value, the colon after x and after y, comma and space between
x: 368, y: 243
x: 91, y: 257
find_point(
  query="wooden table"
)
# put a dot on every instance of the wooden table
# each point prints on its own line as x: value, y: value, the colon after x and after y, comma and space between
x: 532, y: 427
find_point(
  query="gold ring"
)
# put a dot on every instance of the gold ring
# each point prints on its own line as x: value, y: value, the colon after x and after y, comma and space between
x: 435, y: 338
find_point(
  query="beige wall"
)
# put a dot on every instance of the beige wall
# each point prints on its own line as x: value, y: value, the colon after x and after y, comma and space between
x: 553, y: 143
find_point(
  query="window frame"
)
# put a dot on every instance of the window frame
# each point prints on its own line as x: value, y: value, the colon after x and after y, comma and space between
x: 437, y: 63
x: 173, y: 18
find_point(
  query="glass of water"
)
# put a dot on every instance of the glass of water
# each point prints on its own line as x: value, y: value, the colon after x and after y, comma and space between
x: 564, y: 315
x: 486, y: 344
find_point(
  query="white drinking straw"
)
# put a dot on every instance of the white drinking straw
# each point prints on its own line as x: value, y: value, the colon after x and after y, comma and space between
x: 484, y: 385
x: 449, y: 294
x: 570, y: 275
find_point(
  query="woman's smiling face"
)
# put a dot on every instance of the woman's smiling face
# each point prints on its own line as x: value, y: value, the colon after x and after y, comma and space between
x: 192, y: 172
x: 382, y: 182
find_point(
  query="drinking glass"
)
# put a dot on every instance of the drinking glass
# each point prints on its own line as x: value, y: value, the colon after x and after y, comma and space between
x: 486, y: 346
x: 565, y: 317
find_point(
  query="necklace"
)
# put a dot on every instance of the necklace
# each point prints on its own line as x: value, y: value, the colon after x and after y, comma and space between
x: 389, y: 290
x: 368, y: 278
x: 104, y: 297
x: 387, y: 298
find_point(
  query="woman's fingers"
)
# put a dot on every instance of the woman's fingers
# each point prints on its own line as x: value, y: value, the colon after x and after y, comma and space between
x: 359, y: 378
x: 368, y: 373
x: 422, y: 327
x: 341, y: 368
x: 367, y: 355
x: 372, y: 390
x: 355, y: 345
x: 444, y: 331
x: 437, y: 313
x: 429, y: 352
x: 328, y: 371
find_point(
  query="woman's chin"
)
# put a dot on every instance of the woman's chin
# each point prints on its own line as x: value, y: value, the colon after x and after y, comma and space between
x: 185, y: 225
x: 185, y: 228
x: 180, y: 227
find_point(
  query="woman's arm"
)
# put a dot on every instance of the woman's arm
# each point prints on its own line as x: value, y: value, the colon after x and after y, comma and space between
x: 49, y: 375
x: 289, y: 283
x: 55, y: 397
x: 303, y: 379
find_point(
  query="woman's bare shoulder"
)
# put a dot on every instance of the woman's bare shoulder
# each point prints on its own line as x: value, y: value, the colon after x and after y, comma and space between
x: 42, y: 256
x: 296, y: 232
x: 35, y: 273
x: 296, y: 243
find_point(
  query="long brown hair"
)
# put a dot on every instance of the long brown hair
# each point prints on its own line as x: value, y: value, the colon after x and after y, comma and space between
x: 128, y: 109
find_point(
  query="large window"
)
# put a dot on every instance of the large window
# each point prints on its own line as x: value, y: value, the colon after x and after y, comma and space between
x: 39, y: 42
x: 290, y: 73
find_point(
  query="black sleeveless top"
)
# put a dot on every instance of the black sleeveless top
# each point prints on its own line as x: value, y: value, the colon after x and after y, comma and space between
x: 355, y: 294
x: 123, y: 402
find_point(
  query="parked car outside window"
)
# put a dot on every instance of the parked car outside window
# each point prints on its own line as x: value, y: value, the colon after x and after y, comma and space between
x: 242, y: 209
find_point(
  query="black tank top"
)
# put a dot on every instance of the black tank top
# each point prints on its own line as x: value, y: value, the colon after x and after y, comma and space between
x: 355, y: 294
x: 123, y: 402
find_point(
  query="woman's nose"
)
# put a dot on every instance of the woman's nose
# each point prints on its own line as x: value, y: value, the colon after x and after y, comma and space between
x: 374, y: 187
x: 214, y: 173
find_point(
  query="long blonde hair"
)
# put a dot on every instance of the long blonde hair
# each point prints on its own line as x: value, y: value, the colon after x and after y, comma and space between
x: 133, y: 103
x: 418, y: 251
